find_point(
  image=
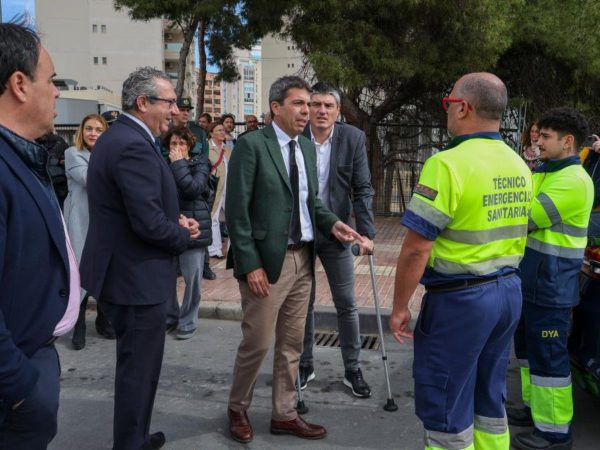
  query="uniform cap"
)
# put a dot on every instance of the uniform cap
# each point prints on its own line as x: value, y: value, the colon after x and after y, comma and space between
x: 110, y: 116
x: 184, y: 102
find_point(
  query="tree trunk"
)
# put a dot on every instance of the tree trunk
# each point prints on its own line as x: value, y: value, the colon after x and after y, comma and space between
x: 188, y: 38
x: 201, y: 69
x: 359, y: 118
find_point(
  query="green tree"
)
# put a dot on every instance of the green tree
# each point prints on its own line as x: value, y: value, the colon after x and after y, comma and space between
x: 555, y: 57
x: 386, y: 55
x: 221, y: 26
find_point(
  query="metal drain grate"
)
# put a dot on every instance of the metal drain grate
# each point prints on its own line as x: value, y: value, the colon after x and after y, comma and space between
x: 367, y: 341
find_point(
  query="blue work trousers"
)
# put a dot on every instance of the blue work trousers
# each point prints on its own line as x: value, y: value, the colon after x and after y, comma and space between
x: 462, y: 343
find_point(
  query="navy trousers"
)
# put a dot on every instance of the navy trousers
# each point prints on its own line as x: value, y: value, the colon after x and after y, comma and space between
x: 461, y: 345
x: 140, y: 331
x: 32, y: 425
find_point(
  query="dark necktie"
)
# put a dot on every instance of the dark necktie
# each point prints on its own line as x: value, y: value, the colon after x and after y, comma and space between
x: 295, y: 232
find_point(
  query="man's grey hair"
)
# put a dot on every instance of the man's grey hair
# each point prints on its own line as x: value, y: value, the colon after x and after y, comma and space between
x: 324, y: 88
x: 486, y: 93
x: 279, y: 88
x: 140, y: 82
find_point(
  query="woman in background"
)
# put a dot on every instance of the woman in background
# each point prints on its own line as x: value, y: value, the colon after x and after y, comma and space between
x: 191, y: 175
x: 76, y: 212
x: 219, y: 155
x: 530, y: 149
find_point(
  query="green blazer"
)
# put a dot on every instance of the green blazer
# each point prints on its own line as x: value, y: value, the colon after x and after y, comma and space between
x: 258, y: 203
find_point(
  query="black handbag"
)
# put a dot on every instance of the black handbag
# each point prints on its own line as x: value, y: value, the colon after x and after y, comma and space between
x: 213, y: 182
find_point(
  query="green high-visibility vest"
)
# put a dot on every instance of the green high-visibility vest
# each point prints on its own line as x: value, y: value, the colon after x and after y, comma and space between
x: 478, y: 194
x: 560, y: 212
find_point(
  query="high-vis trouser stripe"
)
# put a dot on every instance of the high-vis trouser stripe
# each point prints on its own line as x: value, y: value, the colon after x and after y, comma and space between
x: 449, y: 441
x: 491, y: 433
x: 470, y: 447
x: 525, y: 386
x: 552, y: 403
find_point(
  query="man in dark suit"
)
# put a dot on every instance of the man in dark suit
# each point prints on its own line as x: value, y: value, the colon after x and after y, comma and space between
x: 272, y: 213
x: 344, y: 185
x: 135, y: 231
x: 39, y: 282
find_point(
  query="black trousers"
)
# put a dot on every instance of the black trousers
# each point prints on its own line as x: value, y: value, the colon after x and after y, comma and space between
x: 140, y: 331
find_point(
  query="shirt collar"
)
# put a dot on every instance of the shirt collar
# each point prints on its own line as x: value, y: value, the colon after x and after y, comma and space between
x: 141, y: 124
x: 494, y: 135
x: 554, y: 165
x: 326, y: 141
x: 282, y: 138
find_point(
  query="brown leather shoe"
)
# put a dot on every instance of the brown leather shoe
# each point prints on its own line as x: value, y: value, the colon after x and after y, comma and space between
x: 298, y: 427
x: 239, y: 426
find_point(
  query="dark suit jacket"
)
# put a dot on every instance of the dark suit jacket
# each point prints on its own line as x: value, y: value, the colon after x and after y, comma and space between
x: 349, y: 178
x: 128, y: 258
x: 258, y: 203
x: 34, y: 265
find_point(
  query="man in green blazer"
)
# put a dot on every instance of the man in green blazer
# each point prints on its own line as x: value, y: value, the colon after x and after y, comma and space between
x: 272, y: 213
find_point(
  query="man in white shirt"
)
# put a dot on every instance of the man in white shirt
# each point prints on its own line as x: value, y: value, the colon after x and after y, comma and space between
x: 344, y: 186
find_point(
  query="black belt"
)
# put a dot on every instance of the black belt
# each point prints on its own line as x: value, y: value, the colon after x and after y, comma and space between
x: 51, y: 341
x: 299, y: 245
x: 463, y: 284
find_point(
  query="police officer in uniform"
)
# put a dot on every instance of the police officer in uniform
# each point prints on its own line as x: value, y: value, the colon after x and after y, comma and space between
x: 558, y: 223
x: 467, y: 226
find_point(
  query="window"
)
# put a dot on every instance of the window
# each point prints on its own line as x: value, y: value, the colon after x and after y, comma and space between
x: 104, y: 60
x: 248, y: 73
x: 248, y: 109
x: 95, y: 60
x: 103, y: 28
x: 94, y: 28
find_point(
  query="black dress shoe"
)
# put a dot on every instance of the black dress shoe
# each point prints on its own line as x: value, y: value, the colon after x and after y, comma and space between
x: 78, y: 339
x: 519, y: 417
x: 208, y: 274
x: 355, y: 381
x: 156, y: 441
x: 171, y: 328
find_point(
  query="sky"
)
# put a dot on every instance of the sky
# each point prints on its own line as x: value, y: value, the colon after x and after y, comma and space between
x: 11, y: 8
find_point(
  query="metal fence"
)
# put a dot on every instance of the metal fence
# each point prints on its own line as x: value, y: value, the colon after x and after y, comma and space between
x: 397, y: 153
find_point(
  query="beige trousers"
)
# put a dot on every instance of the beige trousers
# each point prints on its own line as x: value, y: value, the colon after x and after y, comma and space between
x: 282, y: 313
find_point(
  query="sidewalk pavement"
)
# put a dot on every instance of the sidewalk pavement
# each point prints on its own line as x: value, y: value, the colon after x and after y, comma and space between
x: 221, y: 297
x: 191, y: 401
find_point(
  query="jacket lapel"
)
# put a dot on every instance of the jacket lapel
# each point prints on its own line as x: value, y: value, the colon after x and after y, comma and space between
x: 275, y: 153
x: 52, y: 216
x: 335, y: 151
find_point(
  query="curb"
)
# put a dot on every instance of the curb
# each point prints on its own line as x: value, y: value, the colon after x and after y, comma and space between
x: 325, y: 316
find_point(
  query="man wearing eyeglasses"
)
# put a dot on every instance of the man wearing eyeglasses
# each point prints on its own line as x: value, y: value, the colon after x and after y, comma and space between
x: 467, y: 228
x: 135, y: 231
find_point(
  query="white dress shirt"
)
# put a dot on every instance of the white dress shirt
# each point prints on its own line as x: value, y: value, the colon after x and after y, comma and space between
x: 305, y: 223
x: 323, y: 165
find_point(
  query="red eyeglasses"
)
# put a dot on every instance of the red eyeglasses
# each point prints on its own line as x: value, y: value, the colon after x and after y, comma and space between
x: 447, y: 100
